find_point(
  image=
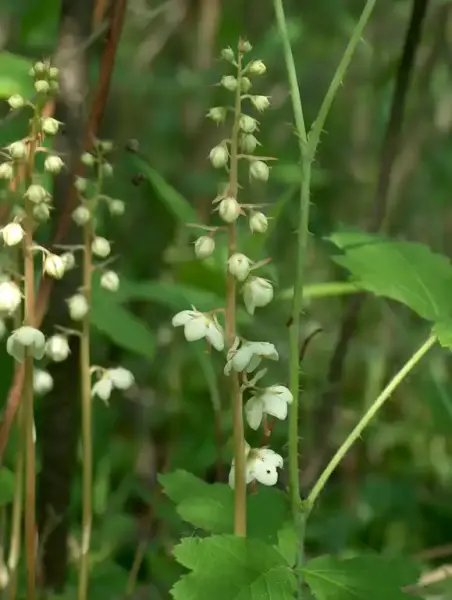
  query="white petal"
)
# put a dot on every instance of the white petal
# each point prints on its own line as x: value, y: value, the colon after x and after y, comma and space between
x: 254, y: 412
x: 280, y: 390
x: 253, y: 364
x: 122, y: 378
x: 242, y: 357
x: 273, y: 405
x: 231, y: 479
x: 15, y: 348
x: 248, y: 299
x: 195, y: 328
x: 265, y: 349
x: 102, y: 388
x: 215, y: 337
x: 183, y: 317
x: 265, y: 473
x: 270, y: 457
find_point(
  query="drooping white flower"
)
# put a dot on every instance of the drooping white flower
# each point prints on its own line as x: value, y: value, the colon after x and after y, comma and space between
x: 25, y: 339
x: 119, y: 378
x: 258, y: 222
x: 57, y: 348
x: 12, y: 234
x: 248, y: 357
x: 101, y: 247
x: 42, y: 382
x: 102, y: 388
x: 78, y: 307
x: 197, y: 325
x: 81, y: 215
x: 10, y: 297
x: 261, y: 465
x: 110, y: 281
x: 204, y: 246
x: 54, y: 266
x: 257, y: 293
x: 273, y: 400
x: 239, y: 265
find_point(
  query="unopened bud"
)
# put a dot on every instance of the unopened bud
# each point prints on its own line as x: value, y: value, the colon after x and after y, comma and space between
x: 228, y: 54
x: 105, y: 146
x: 12, y: 234
x: 41, y: 212
x: 53, y: 72
x: 87, y: 159
x: 36, y: 193
x: 106, y: 170
x: 39, y: 68
x: 78, y: 307
x: 258, y: 222
x: 229, y: 209
x: 6, y: 171
x: 219, y: 156
x: 248, y: 143
x: 204, y: 246
x: 81, y: 184
x: 69, y: 260
x: 42, y: 86
x: 17, y: 150
x: 57, y: 348
x: 229, y: 82
x: 101, y: 247
x: 260, y: 102
x: 256, y: 67
x: 110, y: 281
x: 248, y: 124
x: 16, y: 101
x: 239, y: 265
x: 81, y: 215
x: 54, y: 266
x: 117, y: 207
x: 53, y: 164
x: 50, y: 126
x: 259, y: 170
x: 245, y: 46
x: 245, y: 84
x: 217, y: 114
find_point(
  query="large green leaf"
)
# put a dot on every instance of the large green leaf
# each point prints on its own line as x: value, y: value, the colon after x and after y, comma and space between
x: 14, y: 77
x: 227, y: 567
x: 211, y: 506
x: 360, y: 578
x: 404, y: 271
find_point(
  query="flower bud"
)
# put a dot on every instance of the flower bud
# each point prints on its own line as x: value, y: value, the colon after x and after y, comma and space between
x: 110, y: 281
x: 248, y: 143
x: 106, y: 170
x: 42, y: 382
x: 69, y: 260
x: 54, y: 86
x: 42, y: 86
x: 54, y: 266
x: 88, y: 159
x: 257, y: 292
x: 53, y: 72
x: 229, y: 209
x: 10, y: 297
x: 25, y: 340
x: 117, y: 208
x: 256, y: 67
x: 204, y: 246
x: 259, y: 170
x: 245, y: 46
x: 13, y: 234
x: 39, y: 68
x: 245, y: 84
x: 41, y: 212
x: 260, y: 102
x: 258, y: 222
x: 17, y: 150
x: 78, y: 307
x: 105, y: 146
x: 53, y: 164
x: 101, y: 247
x: 228, y: 54
x: 81, y: 215
x: 36, y: 193
x: 6, y: 171
x: 50, y: 126
x: 57, y: 348
x: 229, y: 82
x: 217, y: 114
x: 16, y: 101
x: 239, y: 265
x: 248, y: 124
x: 219, y: 156
x: 81, y: 184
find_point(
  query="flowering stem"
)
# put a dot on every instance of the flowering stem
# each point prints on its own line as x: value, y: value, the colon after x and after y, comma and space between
x: 85, y: 376
x: 236, y: 395
x: 16, y: 525
x: 365, y: 420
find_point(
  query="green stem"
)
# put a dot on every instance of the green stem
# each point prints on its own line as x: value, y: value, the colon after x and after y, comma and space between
x: 231, y: 288
x: 365, y: 420
x: 16, y: 519
x: 319, y: 123
x: 323, y: 290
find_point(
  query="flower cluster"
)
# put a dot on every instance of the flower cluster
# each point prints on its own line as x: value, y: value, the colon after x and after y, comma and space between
x: 243, y: 357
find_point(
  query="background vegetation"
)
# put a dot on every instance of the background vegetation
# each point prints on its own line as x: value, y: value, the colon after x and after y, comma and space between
x: 392, y: 493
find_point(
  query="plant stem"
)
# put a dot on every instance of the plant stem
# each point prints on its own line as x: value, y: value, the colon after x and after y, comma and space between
x: 236, y: 395
x: 16, y: 519
x: 365, y: 420
x: 324, y: 290
x: 85, y: 364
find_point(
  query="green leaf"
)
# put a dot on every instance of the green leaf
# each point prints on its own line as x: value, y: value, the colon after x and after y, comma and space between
x: 360, y: 578
x: 211, y: 506
x: 174, y: 201
x: 14, y: 77
x: 232, y: 568
x: 6, y: 486
x: 443, y: 331
x: 404, y: 271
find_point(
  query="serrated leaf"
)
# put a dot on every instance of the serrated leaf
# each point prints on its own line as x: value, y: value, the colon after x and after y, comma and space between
x: 360, y: 578
x: 404, y: 271
x: 211, y: 506
x: 232, y: 568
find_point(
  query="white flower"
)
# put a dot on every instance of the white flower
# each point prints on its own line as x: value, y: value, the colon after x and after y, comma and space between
x: 36, y: 193
x: 17, y: 150
x: 25, y: 339
x: 249, y: 355
x: 261, y: 465
x: 41, y: 212
x: 10, y: 297
x: 257, y: 292
x: 117, y: 207
x: 57, y: 348
x: 6, y: 170
x: 110, y: 281
x: 119, y: 378
x: 219, y: 156
x: 197, y: 326
x: 81, y: 215
x: 102, y: 388
x: 272, y: 400
x: 229, y: 209
x: 13, y: 234
x: 42, y: 382
x: 204, y: 246
x: 16, y: 101
x: 239, y: 265
x: 101, y: 247
x: 53, y: 164
x: 69, y: 260
x: 258, y: 222
x: 50, y: 126
x: 54, y: 266
x: 78, y: 307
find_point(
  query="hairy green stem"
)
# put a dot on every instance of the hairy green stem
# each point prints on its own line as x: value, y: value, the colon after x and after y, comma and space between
x: 365, y: 420
x: 231, y: 289
x: 85, y: 364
